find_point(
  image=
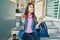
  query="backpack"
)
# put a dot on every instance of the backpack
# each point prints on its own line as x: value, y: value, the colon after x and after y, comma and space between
x: 44, y: 31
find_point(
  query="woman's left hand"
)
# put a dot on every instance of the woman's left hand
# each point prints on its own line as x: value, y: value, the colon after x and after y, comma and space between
x: 38, y: 24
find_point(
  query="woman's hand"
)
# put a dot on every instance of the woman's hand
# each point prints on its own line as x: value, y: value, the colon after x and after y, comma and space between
x: 39, y: 21
x: 23, y: 18
x: 38, y: 24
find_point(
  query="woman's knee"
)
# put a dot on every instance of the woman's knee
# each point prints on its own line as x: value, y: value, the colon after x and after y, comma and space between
x: 28, y: 37
x: 31, y: 38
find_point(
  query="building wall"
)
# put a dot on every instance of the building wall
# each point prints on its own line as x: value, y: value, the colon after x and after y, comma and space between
x: 7, y: 18
x: 57, y: 24
x: 38, y: 8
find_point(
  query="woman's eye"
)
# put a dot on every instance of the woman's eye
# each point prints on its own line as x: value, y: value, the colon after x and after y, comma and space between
x: 30, y: 7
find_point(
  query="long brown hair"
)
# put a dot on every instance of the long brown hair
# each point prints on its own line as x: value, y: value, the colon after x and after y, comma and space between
x: 33, y: 14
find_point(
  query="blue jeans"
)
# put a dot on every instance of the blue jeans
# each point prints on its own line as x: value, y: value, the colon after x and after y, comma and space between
x: 30, y: 36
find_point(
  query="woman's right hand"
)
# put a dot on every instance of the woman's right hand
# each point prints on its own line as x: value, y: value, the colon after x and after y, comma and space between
x: 23, y: 18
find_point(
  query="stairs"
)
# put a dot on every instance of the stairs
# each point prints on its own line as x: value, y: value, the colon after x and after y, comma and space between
x: 52, y: 31
x: 15, y: 31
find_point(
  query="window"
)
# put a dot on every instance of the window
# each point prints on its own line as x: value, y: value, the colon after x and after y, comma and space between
x: 52, y: 9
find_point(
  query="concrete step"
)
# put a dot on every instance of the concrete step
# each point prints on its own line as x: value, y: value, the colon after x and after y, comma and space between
x: 10, y: 38
x: 52, y: 30
x: 55, y: 36
x: 45, y: 38
x: 52, y: 37
x: 15, y: 31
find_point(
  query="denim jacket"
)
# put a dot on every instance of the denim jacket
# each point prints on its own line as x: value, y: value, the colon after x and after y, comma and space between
x: 21, y: 32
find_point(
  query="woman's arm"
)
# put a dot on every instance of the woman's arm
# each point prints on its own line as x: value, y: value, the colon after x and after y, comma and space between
x: 21, y: 23
x: 38, y: 24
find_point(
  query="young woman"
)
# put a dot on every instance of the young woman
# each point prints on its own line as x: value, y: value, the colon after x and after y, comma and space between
x: 28, y: 24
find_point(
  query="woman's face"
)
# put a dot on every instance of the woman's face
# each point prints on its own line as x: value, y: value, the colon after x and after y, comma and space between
x: 31, y: 9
